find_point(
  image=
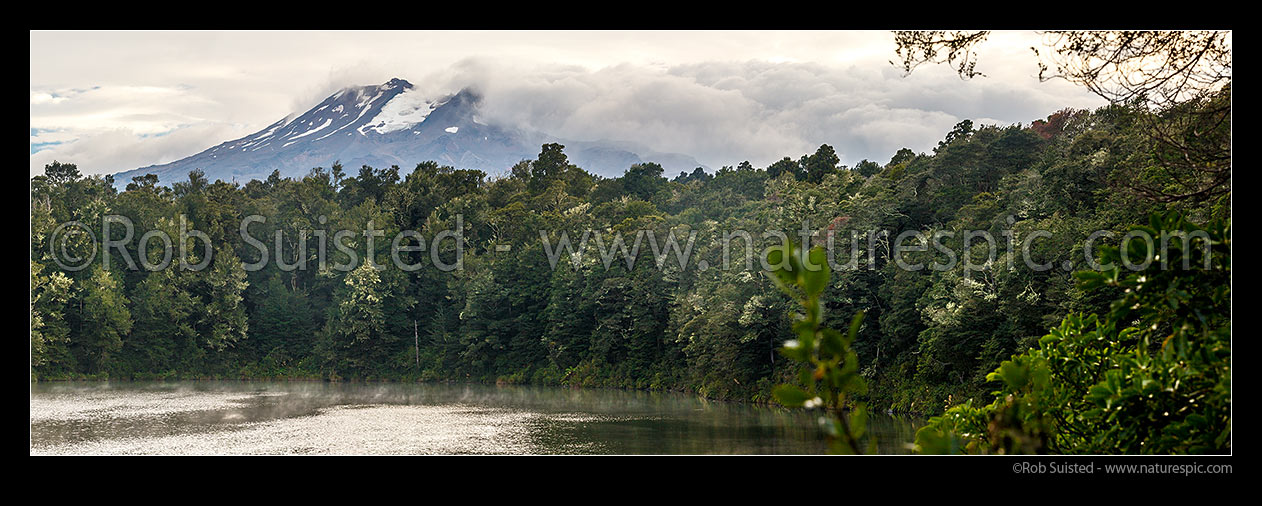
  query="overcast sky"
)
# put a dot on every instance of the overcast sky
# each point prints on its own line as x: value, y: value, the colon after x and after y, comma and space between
x: 113, y: 101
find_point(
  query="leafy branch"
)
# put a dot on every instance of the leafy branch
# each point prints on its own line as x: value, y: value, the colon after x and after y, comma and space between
x: 828, y: 376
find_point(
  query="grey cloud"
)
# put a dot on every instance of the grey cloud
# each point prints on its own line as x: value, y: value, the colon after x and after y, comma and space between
x: 721, y: 112
x: 725, y: 112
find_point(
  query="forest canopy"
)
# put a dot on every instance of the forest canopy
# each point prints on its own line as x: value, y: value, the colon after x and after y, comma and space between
x: 929, y: 337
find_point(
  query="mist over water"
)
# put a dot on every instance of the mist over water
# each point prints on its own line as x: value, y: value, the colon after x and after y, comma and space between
x: 229, y: 417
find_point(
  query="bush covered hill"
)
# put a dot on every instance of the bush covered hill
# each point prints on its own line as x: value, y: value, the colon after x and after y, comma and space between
x: 930, y: 336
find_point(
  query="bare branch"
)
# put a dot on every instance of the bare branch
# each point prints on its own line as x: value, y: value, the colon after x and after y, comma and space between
x: 916, y: 48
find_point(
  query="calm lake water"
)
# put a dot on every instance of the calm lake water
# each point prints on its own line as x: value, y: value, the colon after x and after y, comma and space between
x: 229, y: 417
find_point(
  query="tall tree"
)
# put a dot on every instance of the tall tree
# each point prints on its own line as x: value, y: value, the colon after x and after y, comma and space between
x: 822, y: 163
x: 106, y: 319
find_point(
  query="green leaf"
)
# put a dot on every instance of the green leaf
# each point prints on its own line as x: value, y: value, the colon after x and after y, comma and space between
x: 859, y: 421
x: 815, y: 272
x: 831, y: 342
x: 931, y: 440
x: 1015, y: 375
x: 854, y: 327
x: 790, y: 396
x: 781, y: 270
x: 799, y: 353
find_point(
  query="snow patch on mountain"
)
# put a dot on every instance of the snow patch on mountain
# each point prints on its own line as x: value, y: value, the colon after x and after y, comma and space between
x: 402, y: 112
x: 327, y: 122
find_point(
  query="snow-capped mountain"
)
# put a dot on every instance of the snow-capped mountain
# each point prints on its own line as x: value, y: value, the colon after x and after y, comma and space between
x: 392, y: 124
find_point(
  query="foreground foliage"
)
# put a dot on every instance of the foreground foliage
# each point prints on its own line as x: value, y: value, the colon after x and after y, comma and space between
x: 1151, y: 375
x: 828, y: 376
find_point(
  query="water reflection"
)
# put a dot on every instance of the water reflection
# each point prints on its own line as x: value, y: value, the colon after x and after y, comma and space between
x: 393, y: 418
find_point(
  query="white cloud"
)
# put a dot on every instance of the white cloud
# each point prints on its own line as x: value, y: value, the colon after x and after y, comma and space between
x: 123, y: 148
x: 120, y: 100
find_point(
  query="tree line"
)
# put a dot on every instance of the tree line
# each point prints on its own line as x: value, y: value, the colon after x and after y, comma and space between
x: 929, y: 339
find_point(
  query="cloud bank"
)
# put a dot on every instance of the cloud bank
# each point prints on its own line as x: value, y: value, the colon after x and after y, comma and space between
x: 721, y: 110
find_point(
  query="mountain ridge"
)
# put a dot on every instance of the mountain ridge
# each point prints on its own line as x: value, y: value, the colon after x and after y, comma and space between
x: 393, y: 124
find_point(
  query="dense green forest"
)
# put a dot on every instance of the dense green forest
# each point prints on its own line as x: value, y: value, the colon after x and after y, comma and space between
x: 929, y: 339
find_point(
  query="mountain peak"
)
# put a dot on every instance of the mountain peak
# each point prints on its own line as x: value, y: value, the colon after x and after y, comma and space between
x: 392, y: 123
x: 396, y: 82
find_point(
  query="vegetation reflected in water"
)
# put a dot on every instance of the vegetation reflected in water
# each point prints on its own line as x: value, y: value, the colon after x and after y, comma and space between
x: 280, y: 417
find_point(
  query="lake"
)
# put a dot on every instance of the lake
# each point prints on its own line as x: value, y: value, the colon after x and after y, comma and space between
x: 234, y: 417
